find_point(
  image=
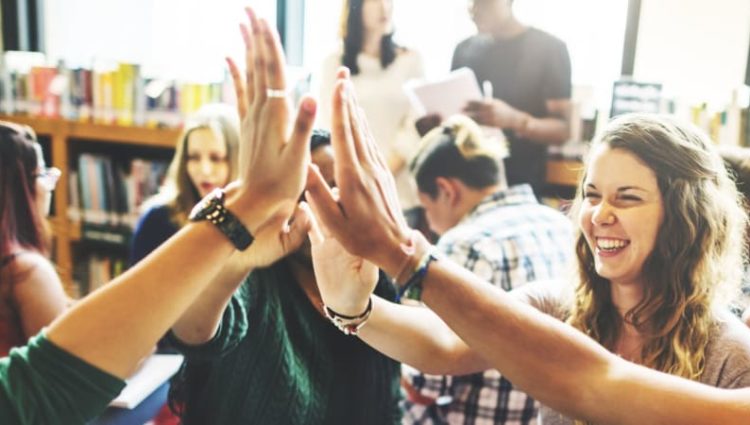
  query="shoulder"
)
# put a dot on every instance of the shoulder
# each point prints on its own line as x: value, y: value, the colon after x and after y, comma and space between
x: 158, y: 214
x: 32, y: 272
x: 548, y: 296
x: 728, y: 354
x: 467, y: 43
x: 28, y: 262
x: 545, y: 41
x: 407, y: 53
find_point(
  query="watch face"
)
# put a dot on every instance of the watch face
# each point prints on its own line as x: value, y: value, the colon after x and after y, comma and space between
x: 207, y: 205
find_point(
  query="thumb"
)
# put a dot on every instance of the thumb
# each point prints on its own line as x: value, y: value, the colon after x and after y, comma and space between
x: 294, y: 235
x: 320, y: 196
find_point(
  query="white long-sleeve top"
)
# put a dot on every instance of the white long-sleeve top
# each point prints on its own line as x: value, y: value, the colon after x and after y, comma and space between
x: 389, y: 114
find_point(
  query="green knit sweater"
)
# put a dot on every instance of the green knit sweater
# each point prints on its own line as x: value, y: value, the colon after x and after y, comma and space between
x: 41, y: 383
x: 276, y: 360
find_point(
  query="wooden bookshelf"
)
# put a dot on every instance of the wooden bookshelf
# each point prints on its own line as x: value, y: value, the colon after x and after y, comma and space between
x: 60, y: 133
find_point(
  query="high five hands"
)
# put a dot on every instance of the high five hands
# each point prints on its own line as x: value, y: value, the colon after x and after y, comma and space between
x: 273, y: 158
x: 363, y: 215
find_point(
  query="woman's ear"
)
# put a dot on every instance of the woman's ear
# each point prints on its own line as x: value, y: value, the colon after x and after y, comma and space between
x: 447, y: 189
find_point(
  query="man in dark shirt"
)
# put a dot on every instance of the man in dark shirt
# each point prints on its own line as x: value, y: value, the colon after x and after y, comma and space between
x: 530, y: 75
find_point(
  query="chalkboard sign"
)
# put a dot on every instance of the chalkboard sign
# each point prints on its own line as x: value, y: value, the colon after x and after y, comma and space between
x: 634, y: 96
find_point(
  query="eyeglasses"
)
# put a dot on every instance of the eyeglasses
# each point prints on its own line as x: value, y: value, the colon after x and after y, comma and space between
x: 48, y: 177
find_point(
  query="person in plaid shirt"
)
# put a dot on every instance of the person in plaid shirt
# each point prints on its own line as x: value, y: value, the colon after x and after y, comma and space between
x: 500, y: 233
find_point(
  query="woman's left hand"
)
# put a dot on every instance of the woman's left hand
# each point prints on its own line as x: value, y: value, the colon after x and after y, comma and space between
x: 345, y: 281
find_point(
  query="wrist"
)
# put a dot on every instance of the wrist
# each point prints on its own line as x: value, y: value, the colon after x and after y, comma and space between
x: 412, y: 254
x: 396, y: 257
x: 522, y: 124
x: 351, y: 308
x: 349, y: 324
x: 251, y: 208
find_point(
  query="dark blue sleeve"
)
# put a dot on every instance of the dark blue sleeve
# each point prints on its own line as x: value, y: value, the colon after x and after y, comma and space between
x: 152, y: 230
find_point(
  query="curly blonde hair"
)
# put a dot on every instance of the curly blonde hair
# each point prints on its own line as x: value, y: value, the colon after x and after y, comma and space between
x: 696, y: 265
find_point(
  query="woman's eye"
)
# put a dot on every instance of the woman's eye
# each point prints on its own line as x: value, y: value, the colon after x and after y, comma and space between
x: 630, y: 198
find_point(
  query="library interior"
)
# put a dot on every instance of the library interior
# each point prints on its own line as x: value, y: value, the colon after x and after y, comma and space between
x: 393, y: 183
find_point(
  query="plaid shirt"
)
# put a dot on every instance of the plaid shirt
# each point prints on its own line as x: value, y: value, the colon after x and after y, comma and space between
x: 509, y: 239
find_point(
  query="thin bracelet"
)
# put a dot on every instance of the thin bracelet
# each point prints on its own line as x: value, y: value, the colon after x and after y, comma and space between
x: 349, y: 325
x: 412, y: 289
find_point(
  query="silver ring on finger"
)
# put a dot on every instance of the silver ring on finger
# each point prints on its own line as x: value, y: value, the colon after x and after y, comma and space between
x: 276, y: 93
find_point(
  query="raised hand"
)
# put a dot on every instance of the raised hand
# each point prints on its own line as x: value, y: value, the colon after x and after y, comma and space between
x: 366, y: 217
x: 345, y: 281
x: 273, y: 157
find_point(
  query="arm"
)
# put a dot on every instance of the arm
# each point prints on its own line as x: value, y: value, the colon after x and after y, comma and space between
x: 553, y: 129
x: 200, y: 322
x: 563, y: 368
x: 115, y: 327
x: 550, y: 360
x: 37, y: 291
x: 433, y: 347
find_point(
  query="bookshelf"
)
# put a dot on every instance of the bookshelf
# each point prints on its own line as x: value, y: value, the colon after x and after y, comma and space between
x: 62, y: 135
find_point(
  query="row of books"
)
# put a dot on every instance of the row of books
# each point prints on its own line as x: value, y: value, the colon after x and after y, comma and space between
x: 95, y: 270
x: 106, y: 93
x: 730, y: 126
x: 106, y: 194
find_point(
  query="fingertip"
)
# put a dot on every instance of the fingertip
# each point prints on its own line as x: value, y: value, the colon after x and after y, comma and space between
x: 309, y: 105
x: 343, y: 72
x: 313, y: 179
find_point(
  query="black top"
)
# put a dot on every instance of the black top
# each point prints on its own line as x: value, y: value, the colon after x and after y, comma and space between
x: 525, y: 71
x: 153, y: 229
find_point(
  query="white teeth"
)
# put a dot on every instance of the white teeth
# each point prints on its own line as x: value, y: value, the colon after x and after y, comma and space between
x: 610, y: 244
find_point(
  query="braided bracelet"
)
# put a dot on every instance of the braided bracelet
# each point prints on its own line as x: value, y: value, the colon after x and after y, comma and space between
x: 349, y: 325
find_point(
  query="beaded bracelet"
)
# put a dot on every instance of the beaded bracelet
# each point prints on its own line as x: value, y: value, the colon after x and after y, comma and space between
x: 349, y: 325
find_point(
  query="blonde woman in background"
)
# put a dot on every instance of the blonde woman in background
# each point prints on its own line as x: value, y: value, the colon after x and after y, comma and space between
x: 379, y: 68
x: 205, y: 159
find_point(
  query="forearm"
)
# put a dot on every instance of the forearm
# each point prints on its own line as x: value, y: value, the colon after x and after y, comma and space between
x: 201, y: 321
x: 118, y: 325
x: 561, y: 367
x: 545, y: 131
x: 432, y: 347
x: 534, y: 351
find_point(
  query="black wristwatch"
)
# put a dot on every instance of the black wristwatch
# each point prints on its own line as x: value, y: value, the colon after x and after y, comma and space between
x: 212, y: 208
